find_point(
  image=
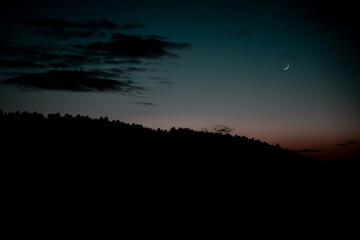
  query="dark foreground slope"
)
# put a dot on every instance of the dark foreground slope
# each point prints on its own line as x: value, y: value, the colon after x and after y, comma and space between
x: 56, y: 167
x: 65, y: 142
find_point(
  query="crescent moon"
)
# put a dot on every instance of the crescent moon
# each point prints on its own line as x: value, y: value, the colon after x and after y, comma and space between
x: 286, y: 68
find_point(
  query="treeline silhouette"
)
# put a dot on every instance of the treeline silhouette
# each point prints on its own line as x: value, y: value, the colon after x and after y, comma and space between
x: 77, y: 169
x: 31, y: 133
x: 82, y: 142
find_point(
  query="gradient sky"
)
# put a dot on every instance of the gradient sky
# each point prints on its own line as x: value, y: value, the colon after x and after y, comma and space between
x: 214, y: 65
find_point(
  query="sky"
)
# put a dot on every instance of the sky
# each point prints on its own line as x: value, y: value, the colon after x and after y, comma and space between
x: 206, y: 65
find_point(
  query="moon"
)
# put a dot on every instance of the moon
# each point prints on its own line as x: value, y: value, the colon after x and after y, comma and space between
x: 286, y: 68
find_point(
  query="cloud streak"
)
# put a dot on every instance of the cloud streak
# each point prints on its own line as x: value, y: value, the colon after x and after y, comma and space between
x: 130, y: 61
x: 74, y: 81
x: 136, y: 46
x: 63, y: 34
x: 18, y: 63
x: 143, y: 103
x: 63, y: 30
x: 52, y: 23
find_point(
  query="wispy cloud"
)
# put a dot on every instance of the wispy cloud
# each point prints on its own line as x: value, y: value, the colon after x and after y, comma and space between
x: 127, y: 61
x: 222, y: 129
x: 166, y: 82
x: 347, y: 143
x: 341, y: 145
x: 135, y: 69
x: 55, y: 64
x: 162, y: 80
x: 143, y: 103
x: 159, y: 78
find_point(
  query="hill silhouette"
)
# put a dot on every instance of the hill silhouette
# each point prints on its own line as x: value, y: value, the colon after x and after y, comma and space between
x: 69, y: 165
x: 79, y: 142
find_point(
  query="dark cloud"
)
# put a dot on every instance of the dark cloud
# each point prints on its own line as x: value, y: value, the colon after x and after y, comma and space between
x: 41, y: 55
x: 154, y: 36
x: 63, y: 29
x: 11, y: 73
x: 8, y: 50
x: 130, y: 26
x: 71, y: 59
x: 159, y: 78
x: 61, y: 60
x: 135, y: 69
x: 74, y: 81
x: 348, y: 143
x: 222, y: 129
x: 129, y: 61
x: 5, y: 63
x: 78, y: 46
x: 59, y: 65
x: 153, y: 64
x: 63, y: 34
x: 166, y: 82
x: 143, y: 103
x: 52, y: 23
x: 77, y: 59
x: 96, y: 73
x: 306, y: 150
x: 170, y: 62
x: 135, y: 46
x: 124, y: 49
x: 341, y: 145
x: 162, y: 80
x: 117, y: 70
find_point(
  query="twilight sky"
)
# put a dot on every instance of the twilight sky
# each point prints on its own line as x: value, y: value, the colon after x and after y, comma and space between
x: 214, y: 65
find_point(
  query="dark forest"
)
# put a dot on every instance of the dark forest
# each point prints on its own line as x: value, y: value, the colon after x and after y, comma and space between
x: 75, y: 141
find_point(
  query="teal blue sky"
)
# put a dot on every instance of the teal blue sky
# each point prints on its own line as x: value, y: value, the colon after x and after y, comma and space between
x: 228, y: 72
